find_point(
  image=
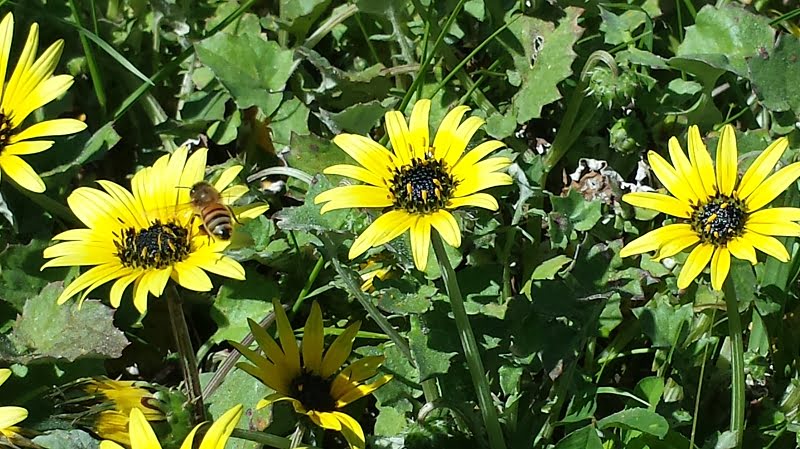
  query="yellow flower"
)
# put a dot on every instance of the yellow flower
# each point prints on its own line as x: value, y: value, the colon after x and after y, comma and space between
x: 146, y: 236
x: 420, y: 181
x: 715, y: 210
x: 123, y: 396
x: 10, y: 416
x: 142, y: 435
x: 313, y: 386
x: 31, y: 86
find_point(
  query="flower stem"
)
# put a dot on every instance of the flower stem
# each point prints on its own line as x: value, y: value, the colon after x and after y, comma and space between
x: 737, y: 361
x: 307, y: 287
x: 470, y: 345
x: 429, y: 387
x: 185, y: 352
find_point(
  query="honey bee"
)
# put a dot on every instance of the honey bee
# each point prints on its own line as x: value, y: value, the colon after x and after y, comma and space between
x: 217, y: 218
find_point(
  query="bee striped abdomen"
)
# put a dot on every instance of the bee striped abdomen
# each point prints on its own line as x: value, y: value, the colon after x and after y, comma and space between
x: 217, y: 220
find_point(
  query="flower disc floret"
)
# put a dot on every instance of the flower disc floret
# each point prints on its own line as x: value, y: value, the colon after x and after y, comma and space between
x: 313, y: 391
x: 156, y: 247
x: 422, y: 187
x: 719, y: 220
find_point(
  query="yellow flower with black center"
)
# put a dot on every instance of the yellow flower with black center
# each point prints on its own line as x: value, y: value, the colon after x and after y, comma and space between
x: 148, y: 236
x: 142, y: 436
x: 10, y: 416
x: 717, y: 213
x: 419, y: 181
x: 31, y: 86
x: 311, y: 379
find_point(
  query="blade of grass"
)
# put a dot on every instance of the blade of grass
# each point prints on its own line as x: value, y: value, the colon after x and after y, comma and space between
x: 91, y: 62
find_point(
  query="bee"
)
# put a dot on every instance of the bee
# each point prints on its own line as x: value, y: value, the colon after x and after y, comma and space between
x: 217, y: 218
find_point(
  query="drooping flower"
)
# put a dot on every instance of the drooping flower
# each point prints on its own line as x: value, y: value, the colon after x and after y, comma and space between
x: 121, y: 397
x: 419, y: 182
x: 10, y: 416
x: 147, y: 236
x: 142, y: 436
x: 311, y: 379
x: 717, y: 212
x: 31, y: 86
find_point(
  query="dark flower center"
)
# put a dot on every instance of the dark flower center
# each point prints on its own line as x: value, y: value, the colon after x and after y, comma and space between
x: 313, y: 392
x: 156, y: 247
x: 423, y: 187
x: 5, y: 130
x: 719, y: 220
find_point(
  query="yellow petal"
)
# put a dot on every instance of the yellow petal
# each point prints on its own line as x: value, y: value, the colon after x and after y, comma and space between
x: 780, y: 228
x: 10, y: 416
x: 398, y: 132
x: 351, y: 430
x: 5, y: 373
x: 355, y: 373
x: 269, y: 346
x: 227, y: 177
x: 761, y: 167
x: 360, y: 391
x: 326, y: 420
x: 473, y: 184
x: 446, y: 134
x: 313, y: 339
x: 286, y: 336
x: 142, y: 435
x: 444, y: 222
x: 21, y: 173
x: 354, y: 196
x: 482, y: 200
x: 358, y: 173
x: 772, y: 187
x: 656, y: 238
x: 384, y: 229
x: 110, y: 445
x: 339, y: 351
x: 461, y: 139
x: 191, y: 276
x: 660, y: 202
x: 421, y: 241
x: 671, y: 179
x: 766, y: 244
x: 370, y: 154
x: 685, y: 169
x: 32, y: 147
x: 676, y: 245
x: 57, y: 127
x: 720, y: 266
x: 217, y: 436
x: 476, y: 154
x: 774, y: 214
x: 6, y: 35
x: 188, y: 443
x: 701, y: 161
x: 727, y: 155
x: 418, y: 135
x: 695, y: 263
x: 115, y: 296
x: 742, y: 249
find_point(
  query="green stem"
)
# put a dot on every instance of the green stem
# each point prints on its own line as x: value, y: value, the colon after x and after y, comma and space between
x: 91, y: 62
x: 309, y: 283
x: 737, y: 361
x: 45, y: 202
x: 183, y: 343
x: 429, y: 387
x: 470, y: 346
x: 264, y: 438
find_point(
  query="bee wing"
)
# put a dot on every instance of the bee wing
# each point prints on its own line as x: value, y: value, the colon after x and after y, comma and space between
x: 181, y: 212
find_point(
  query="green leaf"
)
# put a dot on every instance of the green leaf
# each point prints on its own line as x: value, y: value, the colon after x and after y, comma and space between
x: 241, y: 388
x: 429, y: 361
x: 21, y: 276
x: 100, y: 143
x: 254, y: 70
x: 546, y: 60
x: 394, y: 301
x: 314, y: 154
x: 650, y: 389
x: 238, y: 301
x: 731, y: 32
x: 392, y: 419
x: 290, y: 120
x: 46, y: 331
x: 583, y: 438
x: 618, y: 29
x: 66, y: 439
x: 549, y: 268
x: 307, y: 217
x: 357, y: 119
x: 640, y: 419
x: 663, y: 322
x: 776, y: 74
